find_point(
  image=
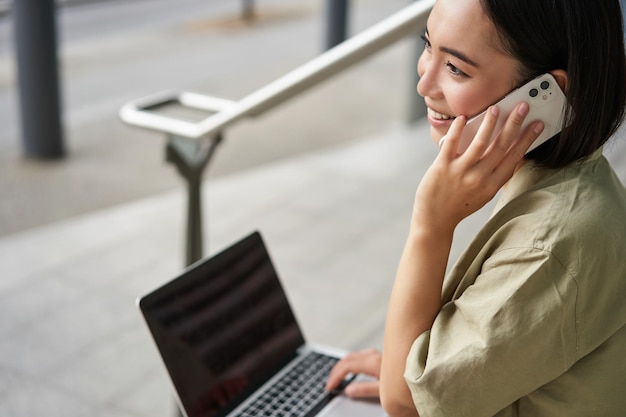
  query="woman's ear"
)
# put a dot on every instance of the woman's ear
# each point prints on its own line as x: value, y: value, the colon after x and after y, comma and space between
x: 561, y: 77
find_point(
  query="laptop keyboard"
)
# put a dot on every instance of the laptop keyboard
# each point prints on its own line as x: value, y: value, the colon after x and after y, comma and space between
x: 299, y: 392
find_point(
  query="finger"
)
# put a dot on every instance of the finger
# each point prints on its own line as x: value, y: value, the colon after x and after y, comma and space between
x: 362, y: 362
x: 528, y: 137
x: 518, y: 150
x: 370, y: 389
x: 485, y: 133
x: 511, y: 130
x: 341, y: 370
x: 449, y: 143
x: 337, y: 374
x: 366, y: 361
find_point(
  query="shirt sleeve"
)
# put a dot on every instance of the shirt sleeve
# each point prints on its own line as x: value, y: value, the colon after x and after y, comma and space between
x: 511, y: 331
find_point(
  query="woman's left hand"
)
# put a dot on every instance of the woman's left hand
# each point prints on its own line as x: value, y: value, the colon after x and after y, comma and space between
x: 456, y: 186
x: 362, y: 362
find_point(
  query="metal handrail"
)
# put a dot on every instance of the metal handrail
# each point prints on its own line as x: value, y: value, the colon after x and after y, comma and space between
x: 226, y: 112
x: 191, y: 156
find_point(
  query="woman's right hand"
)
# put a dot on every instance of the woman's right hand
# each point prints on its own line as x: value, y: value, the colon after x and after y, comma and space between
x: 456, y: 185
x: 363, y: 362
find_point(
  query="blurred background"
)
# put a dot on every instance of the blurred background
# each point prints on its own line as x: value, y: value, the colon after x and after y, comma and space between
x: 328, y: 177
x: 113, y: 51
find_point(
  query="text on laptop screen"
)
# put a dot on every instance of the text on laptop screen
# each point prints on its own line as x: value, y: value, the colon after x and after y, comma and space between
x: 220, y: 325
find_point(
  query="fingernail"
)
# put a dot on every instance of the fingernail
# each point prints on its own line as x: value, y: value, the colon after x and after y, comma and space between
x: 522, y: 109
x: 349, y: 391
x: 495, y: 110
x: 538, y: 128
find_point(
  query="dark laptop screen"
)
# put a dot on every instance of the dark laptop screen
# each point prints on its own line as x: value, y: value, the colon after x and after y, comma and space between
x: 223, y: 327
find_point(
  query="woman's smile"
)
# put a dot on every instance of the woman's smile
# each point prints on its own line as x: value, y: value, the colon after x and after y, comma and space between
x: 439, y: 120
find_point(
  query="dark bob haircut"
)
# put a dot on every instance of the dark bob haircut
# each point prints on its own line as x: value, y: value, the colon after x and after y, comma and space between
x: 584, y: 38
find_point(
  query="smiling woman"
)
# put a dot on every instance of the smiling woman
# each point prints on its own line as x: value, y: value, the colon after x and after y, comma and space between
x: 531, y: 320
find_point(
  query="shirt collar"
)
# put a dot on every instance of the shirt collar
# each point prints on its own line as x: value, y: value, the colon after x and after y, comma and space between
x: 530, y: 174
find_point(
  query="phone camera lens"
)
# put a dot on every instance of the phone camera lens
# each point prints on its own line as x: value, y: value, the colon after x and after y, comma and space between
x: 533, y: 92
x: 545, y: 85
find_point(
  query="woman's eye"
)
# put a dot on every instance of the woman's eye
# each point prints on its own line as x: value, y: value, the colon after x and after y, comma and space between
x: 427, y: 44
x: 454, y: 70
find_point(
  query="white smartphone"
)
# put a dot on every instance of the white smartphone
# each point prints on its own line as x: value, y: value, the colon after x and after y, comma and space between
x: 546, y: 101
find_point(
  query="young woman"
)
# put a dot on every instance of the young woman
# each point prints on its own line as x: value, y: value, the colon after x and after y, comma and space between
x: 531, y: 319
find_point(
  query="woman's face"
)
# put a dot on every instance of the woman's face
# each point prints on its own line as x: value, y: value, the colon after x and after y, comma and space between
x: 462, y: 69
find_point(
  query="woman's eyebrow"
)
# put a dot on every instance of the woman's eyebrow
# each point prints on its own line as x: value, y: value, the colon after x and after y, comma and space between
x: 458, y: 54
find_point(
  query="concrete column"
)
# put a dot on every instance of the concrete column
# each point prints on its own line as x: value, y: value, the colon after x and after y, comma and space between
x: 38, y: 78
x: 336, y: 22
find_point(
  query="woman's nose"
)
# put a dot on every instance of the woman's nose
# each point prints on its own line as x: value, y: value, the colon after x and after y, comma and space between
x: 427, y: 85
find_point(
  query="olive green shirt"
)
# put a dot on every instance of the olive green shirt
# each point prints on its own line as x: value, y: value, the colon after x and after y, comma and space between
x: 534, y: 311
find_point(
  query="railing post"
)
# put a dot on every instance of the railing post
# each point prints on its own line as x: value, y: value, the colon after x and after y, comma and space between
x: 247, y: 12
x: 38, y: 78
x: 336, y: 22
x: 191, y: 157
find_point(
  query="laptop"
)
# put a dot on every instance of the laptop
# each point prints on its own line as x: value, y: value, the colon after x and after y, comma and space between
x: 231, y: 344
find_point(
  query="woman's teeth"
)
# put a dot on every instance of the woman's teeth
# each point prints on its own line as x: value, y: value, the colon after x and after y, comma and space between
x: 438, y: 116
